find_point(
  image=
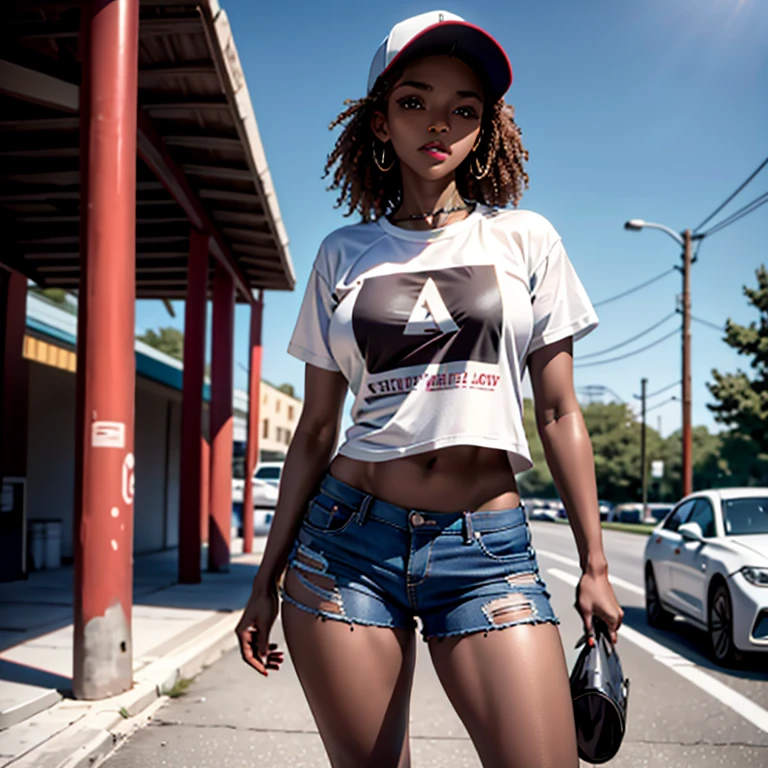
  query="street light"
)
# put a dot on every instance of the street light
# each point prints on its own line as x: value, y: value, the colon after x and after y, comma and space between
x: 635, y: 225
x: 685, y: 240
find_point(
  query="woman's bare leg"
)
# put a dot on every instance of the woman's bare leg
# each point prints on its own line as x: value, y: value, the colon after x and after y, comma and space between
x: 511, y: 690
x: 357, y: 683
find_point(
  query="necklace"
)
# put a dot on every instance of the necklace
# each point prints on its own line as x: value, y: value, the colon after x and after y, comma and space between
x: 432, y: 214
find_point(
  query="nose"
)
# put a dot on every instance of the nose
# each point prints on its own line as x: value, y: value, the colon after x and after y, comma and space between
x: 438, y: 128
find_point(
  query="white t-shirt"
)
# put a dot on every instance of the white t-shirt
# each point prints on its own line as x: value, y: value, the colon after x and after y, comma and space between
x: 432, y: 329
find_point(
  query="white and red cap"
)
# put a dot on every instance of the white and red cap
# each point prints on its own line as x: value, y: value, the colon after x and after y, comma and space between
x: 442, y: 32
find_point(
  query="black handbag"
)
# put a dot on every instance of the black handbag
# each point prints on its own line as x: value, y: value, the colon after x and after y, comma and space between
x: 599, y: 692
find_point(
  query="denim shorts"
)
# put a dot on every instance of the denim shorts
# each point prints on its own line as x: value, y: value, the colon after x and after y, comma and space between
x: 373, y: 563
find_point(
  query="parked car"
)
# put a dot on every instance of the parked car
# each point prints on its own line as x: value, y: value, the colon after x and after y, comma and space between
x: 270, y: 472
x: 627, y: 513
x: 262, y: 520
x: 266, y: 485
x: 657, y: 511
x: 707, y: 561
x: 605, y: 508
x: 536, y: 509
x: 264, y: 493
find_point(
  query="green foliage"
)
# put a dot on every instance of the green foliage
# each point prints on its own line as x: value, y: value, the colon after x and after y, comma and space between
x: 179, y: 688
x: 55, y: 296
x: 536, y: 482
x: 616, y: 443
x: 287, y: 389
x: 640, y: 528
x: 167, y: 340
x: 742, y: 398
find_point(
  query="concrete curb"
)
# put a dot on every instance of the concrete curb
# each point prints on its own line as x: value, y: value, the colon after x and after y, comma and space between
x: 19, y: 714
x: 87, y: 742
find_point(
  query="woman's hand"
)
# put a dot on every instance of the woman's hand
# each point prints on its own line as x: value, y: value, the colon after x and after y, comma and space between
x: 253, y: 631
x: 595, y: 597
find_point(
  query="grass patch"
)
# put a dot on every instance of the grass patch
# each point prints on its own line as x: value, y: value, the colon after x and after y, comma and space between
x: 641, y: 528
x: 179, y: 688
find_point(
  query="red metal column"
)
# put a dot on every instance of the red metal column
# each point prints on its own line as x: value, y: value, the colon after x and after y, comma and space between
x: 222, y: 358
x: 254, y: 400
x: 104, y: 482
x: 205, y: 484
x: 14, y: 389
x: 191, y: 485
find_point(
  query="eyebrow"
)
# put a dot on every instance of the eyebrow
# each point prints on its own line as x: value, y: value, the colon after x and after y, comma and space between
x: 426, y: 87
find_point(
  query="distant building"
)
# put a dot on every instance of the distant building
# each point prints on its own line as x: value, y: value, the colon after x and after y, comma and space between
x: 279, y: 413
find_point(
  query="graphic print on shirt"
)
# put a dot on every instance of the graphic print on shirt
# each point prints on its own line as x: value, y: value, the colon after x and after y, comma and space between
x: 441, y: 316
x: 430, y: 315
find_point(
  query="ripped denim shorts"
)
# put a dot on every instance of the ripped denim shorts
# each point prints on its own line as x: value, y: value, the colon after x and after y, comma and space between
x: 361, y: 560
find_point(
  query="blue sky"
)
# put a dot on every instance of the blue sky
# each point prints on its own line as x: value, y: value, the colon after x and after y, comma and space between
x: 653, y: 110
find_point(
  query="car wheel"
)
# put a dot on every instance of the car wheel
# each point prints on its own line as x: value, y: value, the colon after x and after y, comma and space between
x: 655, y: 612
x: 720, y: 615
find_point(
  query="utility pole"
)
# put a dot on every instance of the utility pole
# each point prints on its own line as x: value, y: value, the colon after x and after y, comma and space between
x: 687, y: 433
x: 643, y: 459
x: 686, y: 241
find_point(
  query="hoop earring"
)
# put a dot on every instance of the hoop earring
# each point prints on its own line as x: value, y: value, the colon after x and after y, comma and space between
x: 380, y: 163
x: 481, y: 173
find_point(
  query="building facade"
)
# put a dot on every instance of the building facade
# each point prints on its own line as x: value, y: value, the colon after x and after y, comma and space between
x: 49, y: 349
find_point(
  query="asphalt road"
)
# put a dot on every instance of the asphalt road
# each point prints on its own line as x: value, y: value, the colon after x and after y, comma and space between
x: 683, y: 710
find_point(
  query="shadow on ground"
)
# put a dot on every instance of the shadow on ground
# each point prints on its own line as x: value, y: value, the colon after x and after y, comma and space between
x: 691, y: 643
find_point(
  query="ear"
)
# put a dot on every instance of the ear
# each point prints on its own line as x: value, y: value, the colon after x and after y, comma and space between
x: 380, y: 127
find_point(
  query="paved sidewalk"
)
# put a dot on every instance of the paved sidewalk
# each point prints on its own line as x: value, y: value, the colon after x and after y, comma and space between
x: 177, y: 630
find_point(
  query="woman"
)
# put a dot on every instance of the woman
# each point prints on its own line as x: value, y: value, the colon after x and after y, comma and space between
x: 429, y: 310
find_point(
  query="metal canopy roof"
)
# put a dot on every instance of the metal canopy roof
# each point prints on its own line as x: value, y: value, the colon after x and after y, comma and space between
x: 200, y: 163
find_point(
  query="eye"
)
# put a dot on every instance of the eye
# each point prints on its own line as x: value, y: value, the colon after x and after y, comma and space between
x: 410, y: 102
x: 468, y: 112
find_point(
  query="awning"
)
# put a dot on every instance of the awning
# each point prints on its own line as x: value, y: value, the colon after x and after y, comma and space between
x: 201, y: 162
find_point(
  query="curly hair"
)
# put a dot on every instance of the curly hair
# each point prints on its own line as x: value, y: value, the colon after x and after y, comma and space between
x: 373, y: 193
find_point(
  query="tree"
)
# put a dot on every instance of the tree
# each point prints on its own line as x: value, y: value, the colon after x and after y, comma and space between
x: 287, y: 389
x: 538, y: 480
x: 615, y: 436
x: 742, y: 400
x: 168, y: 340
x: 710, y: 467
x: 57, y: 296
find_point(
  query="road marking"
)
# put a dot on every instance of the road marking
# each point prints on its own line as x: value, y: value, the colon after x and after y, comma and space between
x: 628, y: 585
x: 741, y: 705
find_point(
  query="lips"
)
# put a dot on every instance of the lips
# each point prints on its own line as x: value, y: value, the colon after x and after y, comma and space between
x: 436, y: 149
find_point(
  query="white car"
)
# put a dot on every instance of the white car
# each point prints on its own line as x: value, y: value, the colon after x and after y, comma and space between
x: 707, y: 561
x: 264, y: 501
x: 264, y: 493
x: 270, y: 472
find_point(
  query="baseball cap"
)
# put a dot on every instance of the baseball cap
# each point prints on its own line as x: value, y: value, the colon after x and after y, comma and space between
x: 442, y: 32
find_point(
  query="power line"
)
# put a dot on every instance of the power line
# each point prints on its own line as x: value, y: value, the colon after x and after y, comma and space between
x: 658, y: 405
x: 722, y: 205
x: 636, y: 288
x: 720, y: 328
x: 629, y: 354
x: 740, y: 214
x: 663, y: 389
x: 629, y: 341
x: 600, y: 389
